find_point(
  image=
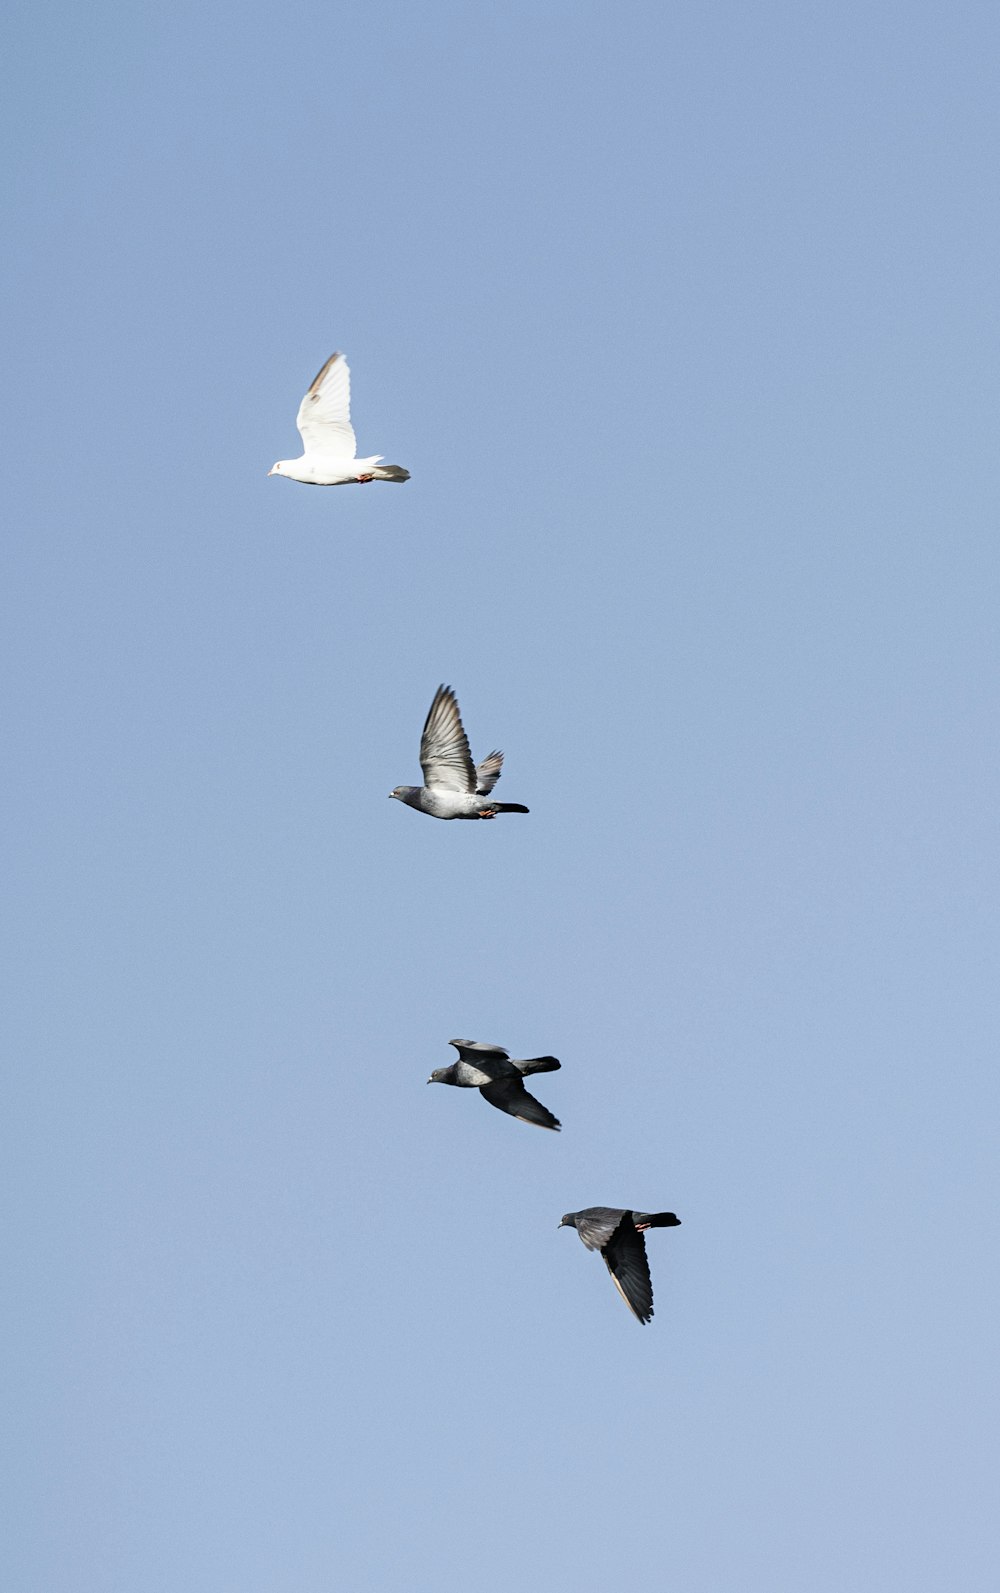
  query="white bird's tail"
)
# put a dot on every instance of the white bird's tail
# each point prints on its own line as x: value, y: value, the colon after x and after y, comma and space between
x: 390, y: 473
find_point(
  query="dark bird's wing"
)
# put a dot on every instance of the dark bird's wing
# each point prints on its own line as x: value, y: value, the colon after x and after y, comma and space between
x: 444, y: 747
x: 625, y: 1255
x: 597, y: 1224
x: 488, y: 773
x: 510, y: 1095
x: 476, y: 1050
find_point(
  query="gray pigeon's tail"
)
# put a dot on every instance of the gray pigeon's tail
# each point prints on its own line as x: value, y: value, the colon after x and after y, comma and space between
x: 508, y: 807
x: 390, y: 473
x: 537, y: 1064
x: 657, y: 1219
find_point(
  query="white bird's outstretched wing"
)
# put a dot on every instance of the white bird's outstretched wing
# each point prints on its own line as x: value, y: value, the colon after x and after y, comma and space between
x: 444, y: 747
x: 324, y: 417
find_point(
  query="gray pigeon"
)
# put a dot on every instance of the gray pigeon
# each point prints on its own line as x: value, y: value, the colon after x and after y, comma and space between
x: 454, y: 787
x: 499, y: 1079
x: 617, y: 1234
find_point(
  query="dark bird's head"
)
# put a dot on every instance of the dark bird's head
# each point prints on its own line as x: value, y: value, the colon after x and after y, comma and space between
x: 569, y: 1221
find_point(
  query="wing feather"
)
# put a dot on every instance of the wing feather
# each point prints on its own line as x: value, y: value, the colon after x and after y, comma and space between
x: 596, y: 1225
x: 625, y: 1258
x: 508, y: 1094
x: 488, y: 773
x: 444, y: 747
x: 475, y: 1050
x: 324, y: 417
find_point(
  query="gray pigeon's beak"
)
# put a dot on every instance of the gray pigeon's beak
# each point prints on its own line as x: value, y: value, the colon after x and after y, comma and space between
x: 430, y: 1081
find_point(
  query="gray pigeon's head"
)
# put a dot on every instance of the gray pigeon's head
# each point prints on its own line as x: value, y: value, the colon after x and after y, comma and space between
x: 439, y: 1076
x: 406, y: 793
x: 569, y: 1221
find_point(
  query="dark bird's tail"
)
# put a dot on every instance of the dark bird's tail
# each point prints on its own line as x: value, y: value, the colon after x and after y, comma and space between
x: 537, y: 1064
x: 657, y: 1219
x: 508, y: 807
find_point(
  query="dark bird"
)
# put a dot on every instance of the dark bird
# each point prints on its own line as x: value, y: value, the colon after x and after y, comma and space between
x: 499, y: 1078
x: 454, y: 787
x: 617, y: 1234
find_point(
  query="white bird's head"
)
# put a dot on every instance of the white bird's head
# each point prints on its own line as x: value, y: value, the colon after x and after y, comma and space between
x: 275, y: 470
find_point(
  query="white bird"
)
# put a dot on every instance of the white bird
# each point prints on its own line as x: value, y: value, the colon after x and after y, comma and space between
x: 324, y: 420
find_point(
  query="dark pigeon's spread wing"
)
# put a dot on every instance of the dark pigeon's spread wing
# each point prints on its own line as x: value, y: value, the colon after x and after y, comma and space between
x: 444, y: 747
x: 625, y: 1255
x: 488, y: 773
x: 475, y: 1050
x: 597, y: 1224
x: 510, y: 1095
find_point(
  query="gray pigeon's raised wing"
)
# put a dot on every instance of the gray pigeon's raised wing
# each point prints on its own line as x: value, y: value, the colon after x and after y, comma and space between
x: 488, y: 773
x: 324, y: 418
x: 510, y: 1095
x: 625, y: 1257
x: 444, y: 747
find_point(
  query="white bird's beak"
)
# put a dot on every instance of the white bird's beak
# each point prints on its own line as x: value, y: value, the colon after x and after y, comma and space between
x: 271, y: 471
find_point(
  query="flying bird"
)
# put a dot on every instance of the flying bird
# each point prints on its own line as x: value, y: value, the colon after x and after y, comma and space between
x: 324, y: 419
x: 454, y: 787
x: 617, y: 1234
x: 499, y: 1079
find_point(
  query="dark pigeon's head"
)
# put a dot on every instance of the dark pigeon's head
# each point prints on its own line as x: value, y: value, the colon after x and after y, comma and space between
x: 569, y: 1221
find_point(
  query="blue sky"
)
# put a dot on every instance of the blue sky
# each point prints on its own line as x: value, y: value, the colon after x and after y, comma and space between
x: 684, y: 320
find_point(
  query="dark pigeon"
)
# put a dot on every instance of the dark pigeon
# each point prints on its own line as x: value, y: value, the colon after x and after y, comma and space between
x: 499, y: 1079
x: 617, y: 1234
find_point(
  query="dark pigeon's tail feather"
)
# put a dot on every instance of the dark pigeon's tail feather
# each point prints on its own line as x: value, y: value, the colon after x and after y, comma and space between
x: 537, y: 1064
x: 657, y: 1219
